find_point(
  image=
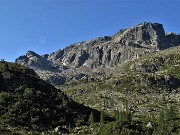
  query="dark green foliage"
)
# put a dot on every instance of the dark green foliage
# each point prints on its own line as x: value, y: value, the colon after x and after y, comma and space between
x: 123, y: 117
x: 30, y: 103
x: 4, y: 66
x: 102, y: 117
x: 116, y: 115
x: 115, y: 128
x: 91, y: 118
x: 168, y: 121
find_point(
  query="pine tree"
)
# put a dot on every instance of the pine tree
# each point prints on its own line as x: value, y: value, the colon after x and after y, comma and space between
x: 91, y: 118
x: 125, y: 117
x: 5, y: 67
x: 172, y: 112
x: 128, y: 117
x: 102, y: 117
x: 116, y: 115
x: 122, y: 118
x: 2, y: 60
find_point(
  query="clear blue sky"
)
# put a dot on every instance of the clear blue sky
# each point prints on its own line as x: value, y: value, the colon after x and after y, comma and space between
x: 45, y: 26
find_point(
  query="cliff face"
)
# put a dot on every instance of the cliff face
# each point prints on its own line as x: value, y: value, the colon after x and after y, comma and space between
x: 97, y: 55
x: 148, y: 84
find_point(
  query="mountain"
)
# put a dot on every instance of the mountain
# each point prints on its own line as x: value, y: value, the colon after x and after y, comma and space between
x: 147, y: 84
x: 29, y: 103
x: 133, y: 76
x: 148, y: 87
x: 99, y: 55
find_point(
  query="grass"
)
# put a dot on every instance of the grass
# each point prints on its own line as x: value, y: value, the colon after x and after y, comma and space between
x: 125, y: 81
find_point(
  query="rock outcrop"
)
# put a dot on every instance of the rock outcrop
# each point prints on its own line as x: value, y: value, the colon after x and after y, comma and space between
x: 98, y: 55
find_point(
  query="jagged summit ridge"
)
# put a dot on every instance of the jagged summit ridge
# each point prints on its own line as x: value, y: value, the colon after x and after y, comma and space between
x: 103, y: 50
x: 146, y: 34
x: 98, y: 55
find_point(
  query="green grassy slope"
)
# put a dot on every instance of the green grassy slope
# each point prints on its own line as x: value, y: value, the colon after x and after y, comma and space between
x: 146, y: 84
x: 148, y: 87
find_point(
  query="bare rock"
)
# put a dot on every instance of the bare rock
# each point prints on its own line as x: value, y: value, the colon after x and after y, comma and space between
x: 101, y: 53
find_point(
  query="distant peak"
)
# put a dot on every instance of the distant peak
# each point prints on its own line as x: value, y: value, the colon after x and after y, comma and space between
x: 143, y: 25
x: 147, y: 25
x: 150, y: 23
x: 172, y: 33
x: 31, y: 53
x: 146, y: 34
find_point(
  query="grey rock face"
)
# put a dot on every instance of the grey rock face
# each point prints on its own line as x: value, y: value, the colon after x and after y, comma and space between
x: 173, y: 39
x: 150, y: 35
x: 89, y: 57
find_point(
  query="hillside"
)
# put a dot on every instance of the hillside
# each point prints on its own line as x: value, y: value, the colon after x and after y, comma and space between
x: 148, y: 84
x: 133, y: 76
x: 99, y: 55
x: 148, y: 87
x: 31, y: 104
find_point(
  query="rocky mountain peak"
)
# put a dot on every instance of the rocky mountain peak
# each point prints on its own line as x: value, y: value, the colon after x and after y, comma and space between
x: 99, y: 55
x: 173, y: 39
x: 146, y: 34
x: 35, y: 61
x: 29, y: 53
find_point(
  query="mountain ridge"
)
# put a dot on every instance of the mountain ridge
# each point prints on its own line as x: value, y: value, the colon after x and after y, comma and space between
x: 99, y: 54
x: 132, y: 76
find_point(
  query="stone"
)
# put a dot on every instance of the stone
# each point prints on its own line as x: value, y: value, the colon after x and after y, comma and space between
x: 100, y: 55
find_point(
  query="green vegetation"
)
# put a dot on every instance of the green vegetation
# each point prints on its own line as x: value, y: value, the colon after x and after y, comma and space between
x: 166, y: 123
x: 28, y: 103
x: 147, y: 87
x: 91, y: 118
x: 102, y: 117
x: 144, y: 93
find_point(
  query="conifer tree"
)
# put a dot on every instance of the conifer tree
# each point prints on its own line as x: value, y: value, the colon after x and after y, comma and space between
x: 91, y: 118
x: 116, y: 115
x: 5, y: 67
x: 102, y: 117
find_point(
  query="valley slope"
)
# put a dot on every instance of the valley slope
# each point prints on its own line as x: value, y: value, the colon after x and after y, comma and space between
x: 31, y: 104
x: 146, y: 85
x: 133, y: 75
